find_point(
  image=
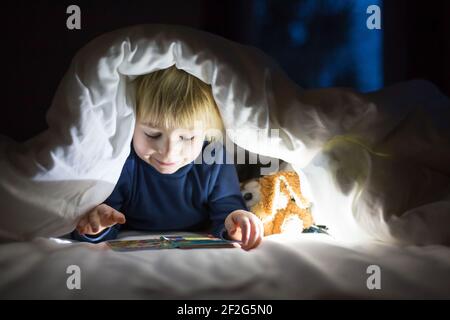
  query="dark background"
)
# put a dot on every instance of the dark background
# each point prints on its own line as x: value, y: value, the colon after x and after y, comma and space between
x: 310, y: 39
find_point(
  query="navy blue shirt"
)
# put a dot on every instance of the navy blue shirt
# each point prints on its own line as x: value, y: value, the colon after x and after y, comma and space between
x: 195, y: 197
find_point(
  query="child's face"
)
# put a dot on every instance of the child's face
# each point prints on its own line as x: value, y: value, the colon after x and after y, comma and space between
x: 166, y: 149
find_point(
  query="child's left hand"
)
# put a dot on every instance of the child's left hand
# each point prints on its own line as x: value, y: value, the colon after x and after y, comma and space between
x: 244, y: 226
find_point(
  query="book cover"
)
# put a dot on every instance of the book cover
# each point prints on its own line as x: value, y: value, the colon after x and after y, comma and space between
x: 171, y: 242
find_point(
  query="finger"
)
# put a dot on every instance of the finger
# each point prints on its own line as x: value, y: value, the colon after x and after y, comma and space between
x: 230, y: 225
x: 260, y: 234
x: 111, y: 217
x: 245, y: 229
x: 106, y: 219
x: 105, y: 214
x: 94, y: 221
x: 86, y: 229
x: 119, y: 217
x: 254, y: 234
x: 82, y: 225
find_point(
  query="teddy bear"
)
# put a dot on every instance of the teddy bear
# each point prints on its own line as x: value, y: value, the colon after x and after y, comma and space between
x: 278, y: 201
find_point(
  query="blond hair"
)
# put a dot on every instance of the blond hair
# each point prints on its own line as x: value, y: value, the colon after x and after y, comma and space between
x: 173, y: 98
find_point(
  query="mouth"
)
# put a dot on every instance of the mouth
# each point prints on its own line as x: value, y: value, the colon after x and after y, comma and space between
x: 166, y: 164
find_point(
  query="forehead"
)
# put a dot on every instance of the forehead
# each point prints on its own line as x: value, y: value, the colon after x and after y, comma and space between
x: 153, y: 126
x: 170, y: 119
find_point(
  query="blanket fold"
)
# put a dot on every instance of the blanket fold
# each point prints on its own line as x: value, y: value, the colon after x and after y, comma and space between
x: 49, y: 181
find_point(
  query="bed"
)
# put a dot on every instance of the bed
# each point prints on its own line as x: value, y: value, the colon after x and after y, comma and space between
x: 392, y: 224
x: 307, y: 266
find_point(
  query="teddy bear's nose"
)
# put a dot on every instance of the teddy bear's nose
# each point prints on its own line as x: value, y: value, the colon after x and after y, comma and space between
x: 248, y: 196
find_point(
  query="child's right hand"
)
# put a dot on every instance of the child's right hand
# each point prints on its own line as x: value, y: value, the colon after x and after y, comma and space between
x: 98, y: 219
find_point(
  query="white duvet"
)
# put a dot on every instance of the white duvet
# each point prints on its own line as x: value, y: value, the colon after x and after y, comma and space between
x: 308, y: 266
x: 48, y: 182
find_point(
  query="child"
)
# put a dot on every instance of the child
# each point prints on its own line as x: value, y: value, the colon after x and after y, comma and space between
x: 160, y: 187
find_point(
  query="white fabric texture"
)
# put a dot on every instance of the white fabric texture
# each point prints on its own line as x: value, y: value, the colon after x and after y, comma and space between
x: 48, y: 182
x: 307, y: 266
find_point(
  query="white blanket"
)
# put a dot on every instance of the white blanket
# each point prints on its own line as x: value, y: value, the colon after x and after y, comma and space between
x: 308, y: 266
x: 48, y: 182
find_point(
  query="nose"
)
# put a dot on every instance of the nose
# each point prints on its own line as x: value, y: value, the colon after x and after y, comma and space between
x: 168, y: 151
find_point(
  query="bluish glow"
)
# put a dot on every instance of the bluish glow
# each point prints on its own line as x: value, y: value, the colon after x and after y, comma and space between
x: 260, y: 8
x: 298, y: 33
x: 322, y: 43
x: 306, y: 8
x: 366, y: 48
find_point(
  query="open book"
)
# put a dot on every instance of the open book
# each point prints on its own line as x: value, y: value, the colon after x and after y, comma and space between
x: 172, y: 242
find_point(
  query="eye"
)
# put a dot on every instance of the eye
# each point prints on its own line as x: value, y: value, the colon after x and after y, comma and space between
x: 153, y: 136
x: 248, y: 196
x: 187, y: 138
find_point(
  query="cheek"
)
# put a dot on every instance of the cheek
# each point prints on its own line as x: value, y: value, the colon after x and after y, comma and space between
x: 143, y: 146
x: 191, y: 152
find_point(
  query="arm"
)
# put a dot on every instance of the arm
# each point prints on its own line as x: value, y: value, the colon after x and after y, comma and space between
x: 229, y: 214
x: 105, y: 235
x: 103, y: 222
x: 224, y: 197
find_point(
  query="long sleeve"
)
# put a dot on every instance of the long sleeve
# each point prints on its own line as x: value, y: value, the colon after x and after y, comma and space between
x: 105, y: 235
x: 117, y: 200
x: 120, y: 196
x: 225, y: 197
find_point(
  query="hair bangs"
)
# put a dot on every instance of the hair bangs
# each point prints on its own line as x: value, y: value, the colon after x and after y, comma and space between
x: 173, y: 98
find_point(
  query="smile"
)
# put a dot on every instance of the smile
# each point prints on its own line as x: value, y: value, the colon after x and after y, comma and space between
x: 166, y: 164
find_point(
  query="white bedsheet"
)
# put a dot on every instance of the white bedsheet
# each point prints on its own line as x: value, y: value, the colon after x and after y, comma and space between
x: 308, y: 266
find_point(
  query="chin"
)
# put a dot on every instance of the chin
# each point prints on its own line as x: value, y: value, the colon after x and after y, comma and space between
x: 167, y: 171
